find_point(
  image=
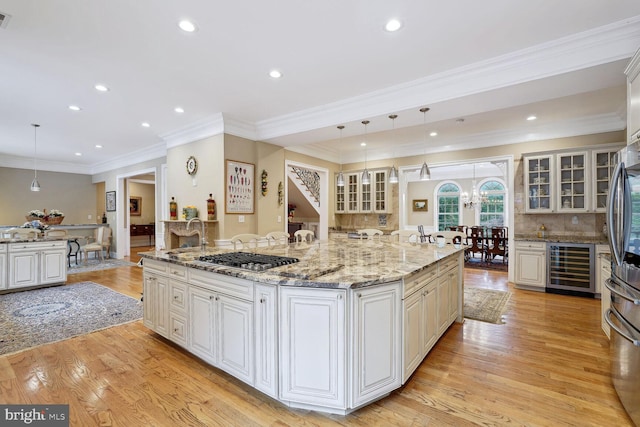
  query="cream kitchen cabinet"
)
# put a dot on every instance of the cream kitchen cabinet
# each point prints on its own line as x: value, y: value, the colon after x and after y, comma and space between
x: 633, y: 98
x: 155, y: 303
x: 266, y: 345
x: 221, y: 322
x: 531, y: 265
x: 573, y: 179
x: 3, y: 266
x: 602, y: 167
x: 538, y: 183
x: 37, y: 263
x: 356, y: 197
x: 312, y: 346
x: 178, y: 300
x: 603, y: 272
x: 377, y: 333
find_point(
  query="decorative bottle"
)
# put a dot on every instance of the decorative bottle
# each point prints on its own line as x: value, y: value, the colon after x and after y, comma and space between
x: 104, y: 217
x: 542, y: 231
x: 211, y: 208
x: 173, y: 209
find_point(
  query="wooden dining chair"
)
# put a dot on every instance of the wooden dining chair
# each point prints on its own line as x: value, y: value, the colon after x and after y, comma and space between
x: 405, y: 236
x: 370, y: 234
x: 476, y: 243
x: 95, y: 246
x: 22, y: 233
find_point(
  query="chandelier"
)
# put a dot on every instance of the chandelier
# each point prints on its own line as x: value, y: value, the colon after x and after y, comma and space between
x: 477, y: 199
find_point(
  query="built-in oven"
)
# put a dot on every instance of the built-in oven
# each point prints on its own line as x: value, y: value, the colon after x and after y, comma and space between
x: 623, y: 221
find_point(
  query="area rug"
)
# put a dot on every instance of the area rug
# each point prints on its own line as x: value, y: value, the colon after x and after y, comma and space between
x: 495, y: 265
x: 95, y: 265
x: 487, y: 305
x: 41, y: 316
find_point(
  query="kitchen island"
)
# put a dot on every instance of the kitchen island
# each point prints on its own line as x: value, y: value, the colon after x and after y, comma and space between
x: 31, y: 263
x: 342, y: 327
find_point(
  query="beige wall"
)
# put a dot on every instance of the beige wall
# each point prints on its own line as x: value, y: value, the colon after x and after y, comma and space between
x: 73, y: 194
x: 271, y: 159
x: 242, y: 150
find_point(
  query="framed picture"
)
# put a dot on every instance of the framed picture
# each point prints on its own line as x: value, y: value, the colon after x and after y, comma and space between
x: 111, y: 201
x: 420, y: 205
x: 239, y: 186
x: 135, y: 206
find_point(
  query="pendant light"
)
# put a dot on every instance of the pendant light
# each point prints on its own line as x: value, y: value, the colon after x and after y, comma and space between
x: 366, y: 178
x: 393, y: 173
x: 340, y: 179
x: 35, y: 185
x: 425, y: 173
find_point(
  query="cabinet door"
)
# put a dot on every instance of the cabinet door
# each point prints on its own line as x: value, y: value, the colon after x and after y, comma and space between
x: 3, y: 271
x: 430, y: 304
x: 202, y: 320
x: 572, y: 191
x: 312, y: 346
x: 538, y: 179
x: 235, y: 337
x: 633, y: 97
x: 531, y: 264
x: 366, y: 198
x: 352, y: 191
x: 444, y: 291
x: 266, y: 351
x: 602, y: 166
x: 23, y: 269
x: 413, y: 333
x: 452, y: 277
x: 340, y: 198
x: 376, y: 338
x: 53, y: 266
x: 155, y: 303
x: 380, y: 191
x: 178, y: 329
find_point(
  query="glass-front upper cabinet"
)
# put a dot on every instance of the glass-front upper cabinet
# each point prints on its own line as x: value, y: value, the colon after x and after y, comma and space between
x: 573, y: 182
x: 365, y: 195
x: 340, y: 201
x: 538, y: 178
x: 603, y: 165
x: 352, y: 192
x: 379, y: 182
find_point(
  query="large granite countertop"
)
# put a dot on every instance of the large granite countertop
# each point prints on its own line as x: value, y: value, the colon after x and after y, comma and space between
x: 39, y: 239
x: 599, y: 240
x: 340, y: 264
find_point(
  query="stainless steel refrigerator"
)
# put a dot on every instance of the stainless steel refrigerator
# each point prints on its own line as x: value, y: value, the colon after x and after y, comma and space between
x: 623, y: 221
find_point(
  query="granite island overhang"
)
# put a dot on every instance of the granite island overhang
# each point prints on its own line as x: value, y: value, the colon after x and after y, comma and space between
x: 343, y: 327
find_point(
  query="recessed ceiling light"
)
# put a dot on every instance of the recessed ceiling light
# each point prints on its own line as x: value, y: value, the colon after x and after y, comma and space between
x: 145, y: 125
x: 187, y: 26
x: 434, y: 134
x: 74, y: 108
x: 179, y: 110
x: 531, y: 118
x: 78, y: 154
x: 363, y: 144
x: 101, y: 88
x: 275, y: 74
x: 98, y: 146
x: 393, y: 25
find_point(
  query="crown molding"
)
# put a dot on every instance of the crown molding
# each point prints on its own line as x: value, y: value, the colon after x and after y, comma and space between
x: 240, y: 128
x: 131, y: 158
x: 633, y: 69
x: 44, y: 165
x: 204, y: 128
x: 598, y: 46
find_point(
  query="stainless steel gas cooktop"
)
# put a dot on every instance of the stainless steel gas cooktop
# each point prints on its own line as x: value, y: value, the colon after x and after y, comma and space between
x: 248, y: 260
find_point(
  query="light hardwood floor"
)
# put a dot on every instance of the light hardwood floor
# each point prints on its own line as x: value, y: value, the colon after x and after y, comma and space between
x: 548, y: 365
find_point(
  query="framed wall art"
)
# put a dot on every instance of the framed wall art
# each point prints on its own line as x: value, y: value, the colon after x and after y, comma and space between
x: 111, y: 201
x: 239, y: 186
x: 135, y: 206
x: 420, y: 205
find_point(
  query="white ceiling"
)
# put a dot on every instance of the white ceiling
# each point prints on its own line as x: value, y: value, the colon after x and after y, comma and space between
x: 492, y: 63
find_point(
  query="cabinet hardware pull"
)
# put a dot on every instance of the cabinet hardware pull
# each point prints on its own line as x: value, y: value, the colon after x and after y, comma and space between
x: 210, y: 297
x: 217, y: 298
x: 175, y: 297
x: 263, y: 300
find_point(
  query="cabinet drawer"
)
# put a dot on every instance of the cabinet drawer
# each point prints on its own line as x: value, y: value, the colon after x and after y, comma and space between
x: 177, y: 296
x: 37, y: 246
x: 3, y: 248
x: 178, y: 329
x: 447, y: 263
x: 177, y: 270
x: 541, y: 246
x: 232, y: 286
x: 154, y: 266
x: 419, y: 279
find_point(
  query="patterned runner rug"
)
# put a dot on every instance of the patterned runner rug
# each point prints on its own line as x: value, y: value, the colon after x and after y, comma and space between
x: 41, y: 316
x: 95, y: 265
x: 487, y: 305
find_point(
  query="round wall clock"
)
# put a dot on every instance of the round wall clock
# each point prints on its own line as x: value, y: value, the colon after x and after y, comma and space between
x: 192, y: 165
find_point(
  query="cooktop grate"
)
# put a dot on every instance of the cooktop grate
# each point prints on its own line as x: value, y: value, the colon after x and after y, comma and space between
x: 248, y: 260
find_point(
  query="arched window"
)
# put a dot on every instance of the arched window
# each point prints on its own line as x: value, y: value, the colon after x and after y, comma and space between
x: 448, y: 196
x: 492, y: 213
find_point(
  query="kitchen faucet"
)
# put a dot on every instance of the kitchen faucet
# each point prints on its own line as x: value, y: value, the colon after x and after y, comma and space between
x: 203, y: 244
